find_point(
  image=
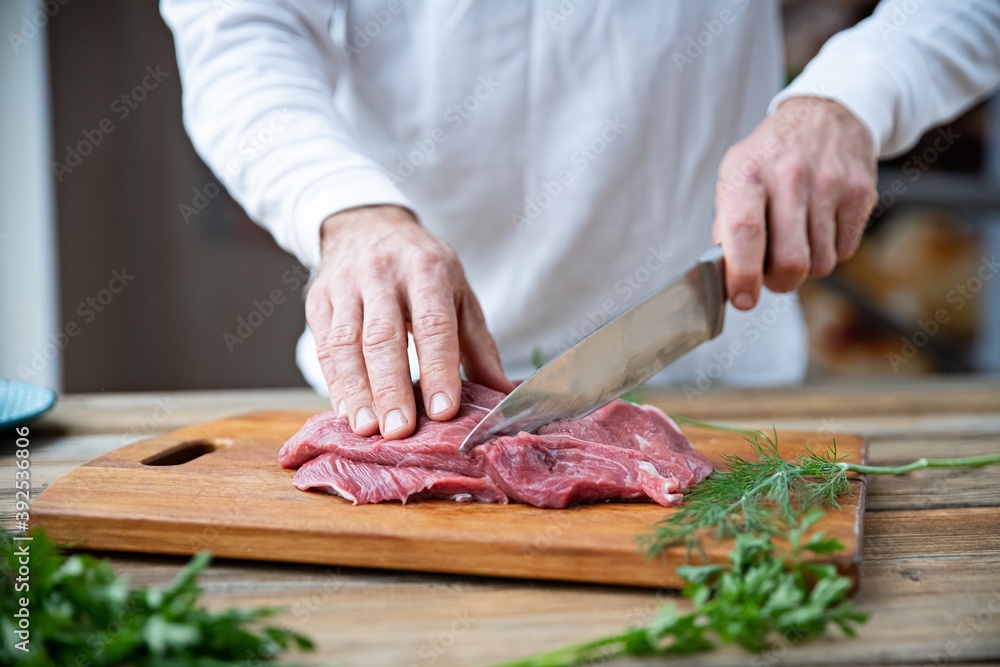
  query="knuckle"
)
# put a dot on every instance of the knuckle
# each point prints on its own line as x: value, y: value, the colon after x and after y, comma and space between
x: 388, y: 394
x: 325, y: 359
x: 744, y: 278
x: 433, y: 325
x: 449, y: 256
x: 317, y: 305
x: 726, y: 166
x: 426, y: 259
x: 343, y: 335
x: 847, y: 244
x: 792, y: 264
x: 354, y: 389
x: 863, y: 192
x: 745, y: 226
x: 381, y: 333
x: 376, y: 266
x: 435, y: 367
x: 442, y: 262
x: 828, y: 182
x: 791, y: 170
x: 737, y: 172
x: 823, y: 263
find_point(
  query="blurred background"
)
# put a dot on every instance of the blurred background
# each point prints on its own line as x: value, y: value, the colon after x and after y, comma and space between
x: 126, y: 266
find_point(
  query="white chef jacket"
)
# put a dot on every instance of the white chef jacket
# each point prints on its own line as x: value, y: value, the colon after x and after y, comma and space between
x: 566, y: 149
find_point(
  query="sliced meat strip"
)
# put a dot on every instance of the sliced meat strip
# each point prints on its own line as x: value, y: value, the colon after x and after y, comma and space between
x: 558, y: 470
x: 371, y: 483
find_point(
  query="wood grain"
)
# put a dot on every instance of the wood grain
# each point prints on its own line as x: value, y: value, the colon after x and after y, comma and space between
x: 239, y: 503
x: 932, y: 601
x: 919, y: 598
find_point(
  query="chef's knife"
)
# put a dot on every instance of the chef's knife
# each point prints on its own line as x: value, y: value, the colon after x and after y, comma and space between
x: 618, y: 356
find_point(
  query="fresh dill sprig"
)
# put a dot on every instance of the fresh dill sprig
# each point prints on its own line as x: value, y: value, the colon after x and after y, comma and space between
x: 764, y: 493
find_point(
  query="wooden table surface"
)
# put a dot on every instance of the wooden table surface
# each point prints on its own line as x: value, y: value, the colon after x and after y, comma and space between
x: 930, y: 574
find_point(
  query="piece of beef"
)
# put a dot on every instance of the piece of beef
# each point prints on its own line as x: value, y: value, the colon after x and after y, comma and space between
x: 644, y: 428
x: 620, y: 452
x: 432, y: 445
x: 557, y: 470
x: 371, y: 483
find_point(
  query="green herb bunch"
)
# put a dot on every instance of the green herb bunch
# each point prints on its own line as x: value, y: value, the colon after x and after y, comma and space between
x: 767, y: 494
x: 81, y: 612
x: 763, y: 494
x: 763, y: 593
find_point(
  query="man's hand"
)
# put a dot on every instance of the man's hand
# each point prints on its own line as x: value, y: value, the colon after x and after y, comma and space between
x: 793, y: 197
x: 381, y: 274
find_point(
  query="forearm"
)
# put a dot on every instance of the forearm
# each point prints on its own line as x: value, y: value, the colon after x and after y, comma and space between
x: 908, y: 67
x: 258, y: 87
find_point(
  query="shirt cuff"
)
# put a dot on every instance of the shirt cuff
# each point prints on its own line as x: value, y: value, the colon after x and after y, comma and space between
x: 359, y: 186
x: 865, y: 87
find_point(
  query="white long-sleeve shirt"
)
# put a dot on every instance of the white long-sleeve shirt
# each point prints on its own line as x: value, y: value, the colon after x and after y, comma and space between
x: 566, y: 149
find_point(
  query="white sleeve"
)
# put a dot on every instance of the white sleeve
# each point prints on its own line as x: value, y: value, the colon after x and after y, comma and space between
x: 910, y: 66
x: 258, y: 82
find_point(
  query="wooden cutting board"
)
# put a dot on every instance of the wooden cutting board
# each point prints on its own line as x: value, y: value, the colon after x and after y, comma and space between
x: 218, y: 486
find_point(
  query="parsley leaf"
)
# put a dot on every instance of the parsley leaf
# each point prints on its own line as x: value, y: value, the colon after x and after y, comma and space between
x: 81, y: 612
x: 762, y: 594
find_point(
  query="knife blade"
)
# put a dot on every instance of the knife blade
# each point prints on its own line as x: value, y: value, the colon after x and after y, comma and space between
x: 618, y: 356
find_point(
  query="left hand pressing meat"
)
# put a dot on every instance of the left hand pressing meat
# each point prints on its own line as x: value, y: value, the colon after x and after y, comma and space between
x: 381, y: 274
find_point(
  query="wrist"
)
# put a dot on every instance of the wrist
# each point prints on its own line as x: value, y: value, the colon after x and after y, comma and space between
x: 362, y: 216
x: 821, y: 110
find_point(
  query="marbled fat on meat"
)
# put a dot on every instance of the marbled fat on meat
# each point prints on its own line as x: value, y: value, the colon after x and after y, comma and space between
x: 620, y: 452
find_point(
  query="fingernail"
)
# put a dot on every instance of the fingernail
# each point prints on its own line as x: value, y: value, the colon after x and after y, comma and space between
x: 743, y: 301
x: 394, y: 421
x: 341, y: 409
x: 439, y: 403
x: 364, y: 417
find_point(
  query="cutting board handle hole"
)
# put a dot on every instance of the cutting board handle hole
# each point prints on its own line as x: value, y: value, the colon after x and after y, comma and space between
x: 185, y: 452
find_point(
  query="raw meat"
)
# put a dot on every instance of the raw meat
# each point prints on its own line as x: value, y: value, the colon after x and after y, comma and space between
x: 620, y: 452
x: 372, y: 483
